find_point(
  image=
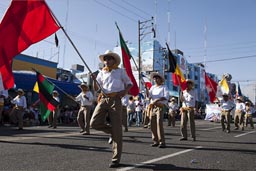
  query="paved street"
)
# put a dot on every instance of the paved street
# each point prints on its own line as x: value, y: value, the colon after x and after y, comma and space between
x: 41, y: 148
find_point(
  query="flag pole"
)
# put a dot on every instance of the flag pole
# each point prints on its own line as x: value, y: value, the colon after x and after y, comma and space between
x: 73, y: 45
x: 56, y: 86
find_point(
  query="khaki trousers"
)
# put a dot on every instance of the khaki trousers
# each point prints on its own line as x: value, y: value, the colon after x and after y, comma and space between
x: 171, y: 118
x: 83, y: 118
x: 157, y: 128
x: 113, y: 108
x: 249, y: 119
x: 16, y: 116
x: 187, y: 114
x: 239, y: 120
x: 225, y: 115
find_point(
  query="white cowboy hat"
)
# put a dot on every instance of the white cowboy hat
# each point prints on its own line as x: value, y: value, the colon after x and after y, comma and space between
x: 156, y: 74
x: 112, y: 54
x: 55, y: 91
x: 83, y: 84
x: 20, y: 90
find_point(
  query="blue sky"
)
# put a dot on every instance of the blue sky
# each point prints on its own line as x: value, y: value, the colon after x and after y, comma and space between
x: 231, y: 31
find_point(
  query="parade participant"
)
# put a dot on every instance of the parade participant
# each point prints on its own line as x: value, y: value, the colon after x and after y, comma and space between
x: 115, y: 84
x: 239, y: 114
x: 85, y: 98
x: 125, y: 101
x: 226, y: 107
x: 17, y: 112
x: 138, y: 110
x: 130, y: 110
x: 158, y: 95
x: 189, y: 105
x: 3, y: 95
x: 248, y: 114
x: 52, y: 118
x: 173, y: 107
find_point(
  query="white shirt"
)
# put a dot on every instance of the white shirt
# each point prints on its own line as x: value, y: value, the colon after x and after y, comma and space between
x: 20, y: 101
x: 190, y: 98
x: 125, y: 100
x: 83, y: 100
x: 172, y: 106
x: 139, y: 106
x: 114, y: 81
x: 227, y: 105
x: 240, y: 106
x: 157, y: 92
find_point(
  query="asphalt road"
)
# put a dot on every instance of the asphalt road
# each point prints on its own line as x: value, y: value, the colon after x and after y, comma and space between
x: 64, y: 148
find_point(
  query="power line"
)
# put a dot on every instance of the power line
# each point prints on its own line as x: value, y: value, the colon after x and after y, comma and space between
x: 136, y: 8
x: 229, y: 59
x: 127, y: 9
x: 115, y: 11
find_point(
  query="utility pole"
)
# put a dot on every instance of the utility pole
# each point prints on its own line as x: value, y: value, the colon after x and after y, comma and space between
x: 143, y: 30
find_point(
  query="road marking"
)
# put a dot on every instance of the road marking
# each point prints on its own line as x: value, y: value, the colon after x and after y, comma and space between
x: 206, y: 129
x: 158, y: 159
x: 240, y: 135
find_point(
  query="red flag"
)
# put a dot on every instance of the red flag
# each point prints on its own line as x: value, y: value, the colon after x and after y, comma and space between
x: 211, y: 87
x: 25, y: 23
x: 177, y: 81
x: 127, y: 65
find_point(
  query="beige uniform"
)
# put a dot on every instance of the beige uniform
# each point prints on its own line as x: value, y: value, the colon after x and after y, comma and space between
x: 111, y: 82
x: 157, y: 113
x: 188, y: 113
x: 226, y: 107
x: 17, y: 112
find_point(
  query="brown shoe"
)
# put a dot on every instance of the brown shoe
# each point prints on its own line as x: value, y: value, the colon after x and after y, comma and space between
x: 183, y: 139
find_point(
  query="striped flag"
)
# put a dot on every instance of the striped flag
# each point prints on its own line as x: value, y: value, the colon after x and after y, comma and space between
x: 45, y: 89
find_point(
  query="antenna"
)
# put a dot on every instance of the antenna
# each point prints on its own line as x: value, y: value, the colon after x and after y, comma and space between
x: 169, y: 24
x: 205, y: 41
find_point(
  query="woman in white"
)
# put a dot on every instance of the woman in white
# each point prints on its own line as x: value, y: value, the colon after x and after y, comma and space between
x: 84, y: 114
x: 20, y: 104
x: 158, y: 95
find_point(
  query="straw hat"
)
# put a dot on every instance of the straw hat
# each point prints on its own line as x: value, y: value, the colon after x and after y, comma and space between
x: 20, y: 90
x: 55, y: 92
x: 239, y: 98
x: 112, y: 54
x: 155, y: 74
x: 225, y: 94
x: 190, y: 81
x: 83, y: 84
x: 173, y: 99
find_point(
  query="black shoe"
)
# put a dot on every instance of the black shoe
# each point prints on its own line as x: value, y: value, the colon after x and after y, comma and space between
x: 49, y: 126
x: 194, y: 139
x: 54, y: 127
x: 81, y: 131
x: 110, y: 140
x: 126, y: 130
x: 162, y: 146
x: 20, y: 129
x: 236, y: 129
x: 183, y: 139
x: 114, y: 164
x: 154, y: 145
x: 86, y: 133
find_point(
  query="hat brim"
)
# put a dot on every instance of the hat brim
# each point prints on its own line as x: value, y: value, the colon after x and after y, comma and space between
x: 114, y: 55
x: 156, y: 75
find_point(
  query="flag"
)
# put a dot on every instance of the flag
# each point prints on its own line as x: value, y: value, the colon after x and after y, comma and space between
x: 126, y: 56
x: 48, y: 103
x: 177, y: 75
x: 211, y: 87
x: 146, y: 81
x: 56, y: 40
x: 223, y: 86
x: 25, y: 23
x: 238, y: 92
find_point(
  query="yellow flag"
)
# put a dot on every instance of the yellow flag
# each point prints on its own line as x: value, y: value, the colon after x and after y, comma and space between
x: 224, y: 86
x: 36, y: 88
